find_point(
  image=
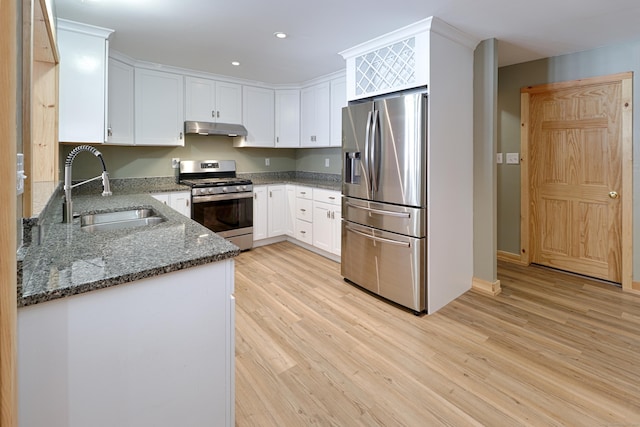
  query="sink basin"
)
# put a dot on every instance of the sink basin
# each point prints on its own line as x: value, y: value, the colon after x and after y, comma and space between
x: 109, y: 221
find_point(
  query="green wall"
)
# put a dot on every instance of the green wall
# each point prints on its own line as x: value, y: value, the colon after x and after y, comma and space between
x: 597, y: 62
x: 137, y: 162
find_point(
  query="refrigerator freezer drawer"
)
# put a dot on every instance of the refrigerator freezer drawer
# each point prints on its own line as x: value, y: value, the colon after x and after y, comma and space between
x: 397, y: 219
x: 390, y: 265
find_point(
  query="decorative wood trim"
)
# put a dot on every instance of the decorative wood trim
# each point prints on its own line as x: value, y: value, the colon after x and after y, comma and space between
x: 525, y: 243
x: 486, y: 287
x: 611, y: 78
x: 510, y: 258
x: 627, y: 181
x: 8, y: 215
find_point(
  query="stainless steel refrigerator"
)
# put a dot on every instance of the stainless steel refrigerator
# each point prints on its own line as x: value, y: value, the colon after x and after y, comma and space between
x: 384, y: 204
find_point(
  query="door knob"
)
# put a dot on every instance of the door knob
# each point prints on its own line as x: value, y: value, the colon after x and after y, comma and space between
x: 613, y: 194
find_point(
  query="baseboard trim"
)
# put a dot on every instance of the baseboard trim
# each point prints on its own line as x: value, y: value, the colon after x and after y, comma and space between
x: 635, y: 288
x: 510, y: 257
x: 486, y: 287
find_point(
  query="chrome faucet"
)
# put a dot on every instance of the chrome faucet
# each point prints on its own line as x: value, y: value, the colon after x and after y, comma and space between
x: 67, y: 205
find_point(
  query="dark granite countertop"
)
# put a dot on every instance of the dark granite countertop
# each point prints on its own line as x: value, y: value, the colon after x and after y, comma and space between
x: 309, y: 179
x: 71, y: 261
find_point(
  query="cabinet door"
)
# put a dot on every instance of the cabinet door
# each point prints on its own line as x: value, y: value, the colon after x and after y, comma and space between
x: 338, y: 101
x: 257, y: 117
x: 336, y: 218
x: 277, y: 219
x: 260, y: 212
x: 322, y: 226
x: 228, y: 103
x: 82, y: 85
x: 315, y: 120
x: 120, y: 103
x: 200, y: 99
x: 287, y: 118
x: 159, y: 117
x: 162, y: 197
x: 291, y: 210
x: 181, y: 202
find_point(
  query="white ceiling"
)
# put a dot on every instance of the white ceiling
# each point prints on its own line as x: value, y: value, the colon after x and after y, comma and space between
x: 207, y: 35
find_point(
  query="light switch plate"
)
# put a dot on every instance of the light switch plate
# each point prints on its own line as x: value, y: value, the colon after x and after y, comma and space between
x: 513, y: 158
x: 326, y: 163
x: 267, y: 161
x: 499, y: 158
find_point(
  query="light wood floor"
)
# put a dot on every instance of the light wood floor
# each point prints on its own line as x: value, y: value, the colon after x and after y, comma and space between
x: 552, y: 349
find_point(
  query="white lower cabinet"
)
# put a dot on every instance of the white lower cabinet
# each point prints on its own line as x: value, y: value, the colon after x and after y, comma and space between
x: 154, y: 352
x: 269, y: 211
x: 304, y: 215
x: 291, y: 210
x: 309, y: 215
x: 327, y: 213
x: 177, y: 200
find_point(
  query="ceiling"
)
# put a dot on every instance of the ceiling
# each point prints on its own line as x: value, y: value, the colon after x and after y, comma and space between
x: 207, y: 35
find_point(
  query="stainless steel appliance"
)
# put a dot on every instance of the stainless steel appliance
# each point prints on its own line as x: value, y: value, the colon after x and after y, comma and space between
x: 384, y: 208
x: 220, y: 200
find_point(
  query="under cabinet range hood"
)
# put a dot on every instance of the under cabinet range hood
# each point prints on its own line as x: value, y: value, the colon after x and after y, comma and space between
x: 208, y: 128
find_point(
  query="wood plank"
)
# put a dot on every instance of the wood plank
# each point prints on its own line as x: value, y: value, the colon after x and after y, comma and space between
x: 552, y: 349
x: 8, y: 215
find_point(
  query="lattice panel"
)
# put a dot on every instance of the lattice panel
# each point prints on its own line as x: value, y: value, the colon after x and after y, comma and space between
x: 386, y: 68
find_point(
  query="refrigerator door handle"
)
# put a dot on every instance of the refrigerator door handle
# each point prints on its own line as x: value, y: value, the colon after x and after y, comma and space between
x: 367, y: 152
x: 380, y: 211
x: 379, y: 239
x: 374, y: 156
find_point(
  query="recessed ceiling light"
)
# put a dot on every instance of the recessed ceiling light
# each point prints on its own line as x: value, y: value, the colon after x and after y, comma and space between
x: 280, y: 35
x: 235, y: 63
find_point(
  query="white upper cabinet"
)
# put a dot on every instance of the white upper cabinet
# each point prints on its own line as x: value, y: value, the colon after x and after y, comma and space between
x: 406, y: 58
x: 83, y: 79
x: 120, y: 103
x: 338, y: 101
x: 257, y: 117
x: 287, y: 116
x: 315, y: 115
x: 159, y: 115
x: 212, y: 101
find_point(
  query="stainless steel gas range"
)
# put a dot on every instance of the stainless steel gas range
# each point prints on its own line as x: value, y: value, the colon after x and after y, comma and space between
x: 220, y: 200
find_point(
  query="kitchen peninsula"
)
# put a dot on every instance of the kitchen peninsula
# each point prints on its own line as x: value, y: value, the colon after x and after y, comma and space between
x: 126, y: 327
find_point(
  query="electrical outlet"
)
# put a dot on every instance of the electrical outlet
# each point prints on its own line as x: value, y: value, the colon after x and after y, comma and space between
x: 267, y: 161
x: 175, y: 163
x: 326, y: 163
x: 499, y: 158
x: 513, y: 158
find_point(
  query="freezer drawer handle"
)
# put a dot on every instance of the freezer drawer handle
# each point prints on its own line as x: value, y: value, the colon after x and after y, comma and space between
x: 381, y: 212
x: 379, y: 239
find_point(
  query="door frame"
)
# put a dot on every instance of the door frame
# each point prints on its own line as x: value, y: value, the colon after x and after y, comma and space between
x: 626, y: 80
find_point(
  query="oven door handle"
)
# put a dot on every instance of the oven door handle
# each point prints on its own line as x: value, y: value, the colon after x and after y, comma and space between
x: 218, y: 197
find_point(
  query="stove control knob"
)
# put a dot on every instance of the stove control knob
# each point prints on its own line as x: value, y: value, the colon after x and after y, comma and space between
x: 239, y: 188
x: 225, y: 190
x: 198, y: 192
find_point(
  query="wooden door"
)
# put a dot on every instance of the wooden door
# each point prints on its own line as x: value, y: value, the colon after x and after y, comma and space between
x: 575, y: 176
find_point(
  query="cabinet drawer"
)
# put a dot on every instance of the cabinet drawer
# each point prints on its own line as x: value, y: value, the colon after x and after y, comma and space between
x: 304, y: 193
x: 326, y: 196
x: 304, y: 209
x: 304, y: 231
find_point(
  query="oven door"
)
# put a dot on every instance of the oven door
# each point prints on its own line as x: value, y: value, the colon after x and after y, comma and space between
x: 228, y: 215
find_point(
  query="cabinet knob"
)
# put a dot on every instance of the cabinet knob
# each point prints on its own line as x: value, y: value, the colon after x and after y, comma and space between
x: 218, y: 114
x: 270, y: 194
x: 109, y: 131
x: 180, y: 135
x: 328, y: 214
x: 302, y: 210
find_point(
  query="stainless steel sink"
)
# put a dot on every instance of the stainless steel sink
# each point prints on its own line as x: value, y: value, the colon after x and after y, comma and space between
x: 109, y: 221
